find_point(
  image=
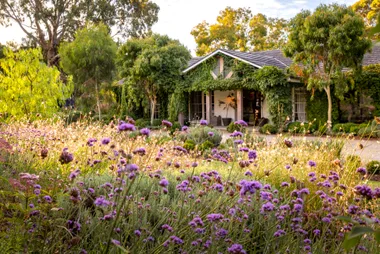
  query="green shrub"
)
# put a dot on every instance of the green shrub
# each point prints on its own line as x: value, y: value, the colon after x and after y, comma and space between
x: 369, y: 132
x: 268, y: 128
x: 234, y: 127
x: 353, y: 161
x: 355, y: 129
x: 373, y: 167
x: 142, y: 123
x: 206, y: 146
x: 344, y: 127
x: 189, y: 145
x: 200, y: 134
x: 175, y: 127
x: 157, y: 122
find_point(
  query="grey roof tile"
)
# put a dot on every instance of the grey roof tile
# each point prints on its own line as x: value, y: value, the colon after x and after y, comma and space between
x: 276, y: 57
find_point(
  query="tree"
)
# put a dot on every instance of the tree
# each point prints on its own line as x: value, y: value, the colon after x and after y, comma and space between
x: 323, y: 43
x: 90, y: 58
x: 151, y: 66
x: 237, y: 29
x: 47, y: 23
x: 369, y: 11
x: 29, y: 86
x: 267, y: 33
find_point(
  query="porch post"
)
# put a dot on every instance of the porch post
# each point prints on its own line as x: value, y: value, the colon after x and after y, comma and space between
x: 203, y: 103
x: 239, y: 104
x: 208, y: 106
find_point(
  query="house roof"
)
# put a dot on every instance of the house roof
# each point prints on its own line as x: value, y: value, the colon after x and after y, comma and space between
x: 276, y: 58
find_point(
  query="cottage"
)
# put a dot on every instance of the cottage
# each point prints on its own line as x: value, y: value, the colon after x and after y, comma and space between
x: 220, y: 95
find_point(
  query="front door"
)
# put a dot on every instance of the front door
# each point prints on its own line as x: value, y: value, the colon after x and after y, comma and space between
x: 252, y: 106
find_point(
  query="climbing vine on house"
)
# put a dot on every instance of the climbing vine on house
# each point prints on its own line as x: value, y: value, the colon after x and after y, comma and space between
x: 269, y: 80
x: 368, y: 83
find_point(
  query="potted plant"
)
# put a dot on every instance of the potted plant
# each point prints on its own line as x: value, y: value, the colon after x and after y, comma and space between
x: 229, y: 102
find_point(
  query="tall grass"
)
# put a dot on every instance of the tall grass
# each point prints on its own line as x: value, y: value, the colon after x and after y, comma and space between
x: 106, y: 207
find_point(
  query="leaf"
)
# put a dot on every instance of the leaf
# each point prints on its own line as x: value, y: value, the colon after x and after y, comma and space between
x: 377, y: 236
x: 346, y: 219
x: 348, y: 243
x: 359, y: 231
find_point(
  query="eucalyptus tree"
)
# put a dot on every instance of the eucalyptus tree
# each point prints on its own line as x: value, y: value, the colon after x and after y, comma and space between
x: 90, y: 58
x: 325, y: 42
x: 49, y: 22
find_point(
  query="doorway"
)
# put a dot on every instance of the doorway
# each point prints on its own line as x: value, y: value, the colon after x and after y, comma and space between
x: 252, y: 106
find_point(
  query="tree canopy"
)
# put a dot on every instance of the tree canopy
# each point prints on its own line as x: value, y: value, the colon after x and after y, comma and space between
x: 151, y: 66
x: 48, y: 22
x: 90, y: 58
x: 325, y: 42
x: 29, y: 86
x: 369, y: 10
x: 238, y: 29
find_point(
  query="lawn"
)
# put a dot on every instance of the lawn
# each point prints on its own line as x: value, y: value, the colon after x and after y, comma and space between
x: 93, y: 188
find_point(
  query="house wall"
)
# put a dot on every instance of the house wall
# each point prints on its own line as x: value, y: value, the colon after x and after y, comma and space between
x: 219, y: 110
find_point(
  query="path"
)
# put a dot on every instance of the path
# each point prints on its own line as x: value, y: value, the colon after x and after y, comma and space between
x: 370, y: 150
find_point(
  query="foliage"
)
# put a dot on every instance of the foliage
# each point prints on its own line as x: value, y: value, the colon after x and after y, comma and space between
x: 317, y: 106
x: 325, y: 42
x: 28, y: 86
x: 344, y: 127
x: 235, y: 127
x: 177, y: 104
x: 189, y: 145
x: 207, y: 145
x: 142, y: 122
x: 175, y: 127
x: 372, y: 130
x: 268, y: 129
x: 373, y: 167
x: 200, y: 134
x: 57, y: 21
x: 353, y: 160
x: 368, y: 83
x: 90, y: 58
x: 369, y: 11
x: 151, y: 66
x: 238, y: 29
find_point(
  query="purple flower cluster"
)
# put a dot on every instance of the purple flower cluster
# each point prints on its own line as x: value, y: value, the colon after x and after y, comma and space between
x: 249, y: 187
x: 145, y: 131
x: 123, y: 126
x: 166, y: 123
x: 236, y: 249
x: 241, y: 122
x: 65, y: 156
x: 203, y: 122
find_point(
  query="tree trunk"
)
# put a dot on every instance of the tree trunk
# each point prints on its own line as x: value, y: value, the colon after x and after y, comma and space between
x: 97, y: 99
x: 152, y: 109
x: 329, y: 109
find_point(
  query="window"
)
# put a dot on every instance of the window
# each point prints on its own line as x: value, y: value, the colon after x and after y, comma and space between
x: 299, y: 104
x: 196, y: 106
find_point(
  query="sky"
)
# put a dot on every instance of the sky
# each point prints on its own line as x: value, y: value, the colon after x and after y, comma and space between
x: 178, y: 17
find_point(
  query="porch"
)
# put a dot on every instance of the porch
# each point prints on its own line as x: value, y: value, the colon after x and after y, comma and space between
x: 220, y: 108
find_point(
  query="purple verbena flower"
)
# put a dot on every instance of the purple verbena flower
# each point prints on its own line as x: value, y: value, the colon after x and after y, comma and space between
x: 312, y: 163
x: 145, y: 131
x: 203, y: 122
x: 236, y: 249
x: 166, y: 123
x: 106, y: 141
x: 241, y: 122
